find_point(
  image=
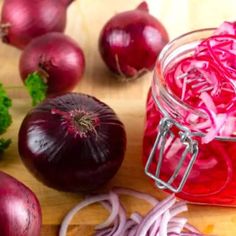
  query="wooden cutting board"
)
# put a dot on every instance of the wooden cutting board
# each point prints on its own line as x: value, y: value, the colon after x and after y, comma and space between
x: 85, y: 20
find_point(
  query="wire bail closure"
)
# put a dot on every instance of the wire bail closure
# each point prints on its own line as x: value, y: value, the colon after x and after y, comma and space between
x: 191, y: 148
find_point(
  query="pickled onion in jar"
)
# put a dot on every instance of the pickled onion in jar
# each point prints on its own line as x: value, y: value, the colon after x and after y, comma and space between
x: 204, y: 81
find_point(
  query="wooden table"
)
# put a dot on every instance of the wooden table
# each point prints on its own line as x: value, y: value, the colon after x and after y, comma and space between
x: 85, y: 19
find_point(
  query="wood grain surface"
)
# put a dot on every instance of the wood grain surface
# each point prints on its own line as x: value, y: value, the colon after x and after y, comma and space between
x: 85, y: 20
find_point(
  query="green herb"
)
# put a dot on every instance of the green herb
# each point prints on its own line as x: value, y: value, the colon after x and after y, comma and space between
x: 4, y: 144
x: 37, y: 88
x: 5, y: 117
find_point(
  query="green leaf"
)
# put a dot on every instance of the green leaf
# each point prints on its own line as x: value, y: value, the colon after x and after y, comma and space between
x: 4, y: 144
x: 5, y: 117
x: 37, y: 88
x: 5, y: 104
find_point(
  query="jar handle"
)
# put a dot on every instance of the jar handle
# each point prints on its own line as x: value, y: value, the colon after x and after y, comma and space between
x: 191, y: 148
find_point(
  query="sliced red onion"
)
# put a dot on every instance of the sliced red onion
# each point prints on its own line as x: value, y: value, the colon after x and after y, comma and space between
x: 129, y: 225
x: 103, y: 232
x: 110, y: 230
x: 155, y: 228
x: 207, y: 79
x: 177, y: 228
x: 191, y: 228
x: 132, y: 232
x: 154, y: 214
x: 159, y: 221
x: 136, y: 217
x: 176, y: 225
x: 73, y: 211
x: 178, y: 208
x: 164, y: 223
x: 122, y: 221
x: 175, y: 210
x: 207, y: 99
x: 114, y: 200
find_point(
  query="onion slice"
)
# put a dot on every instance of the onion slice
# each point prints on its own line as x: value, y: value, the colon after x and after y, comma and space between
x: 81, y: 205
x: 115, y: 211
x: 161, y: 220
x: 154, y: 214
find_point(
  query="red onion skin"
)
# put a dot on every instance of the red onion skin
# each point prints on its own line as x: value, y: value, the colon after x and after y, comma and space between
x: 20, y: 212
x: 130, y: 42
x: 59, y: 56
x: 60, y: 156
x: 30, y: 19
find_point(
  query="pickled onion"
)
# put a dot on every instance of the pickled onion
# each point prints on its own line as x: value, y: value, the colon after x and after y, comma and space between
x: 206, y: 80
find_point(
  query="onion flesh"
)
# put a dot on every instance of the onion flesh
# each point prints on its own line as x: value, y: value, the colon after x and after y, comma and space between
x: 160, y: 220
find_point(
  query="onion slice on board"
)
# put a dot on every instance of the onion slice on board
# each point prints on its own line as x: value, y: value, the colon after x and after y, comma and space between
x: 161, y: 220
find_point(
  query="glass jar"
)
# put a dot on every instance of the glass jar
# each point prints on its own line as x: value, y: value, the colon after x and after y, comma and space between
x: 173, y: 153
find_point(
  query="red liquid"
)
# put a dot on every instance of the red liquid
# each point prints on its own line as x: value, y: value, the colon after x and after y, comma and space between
x: 213, y: 176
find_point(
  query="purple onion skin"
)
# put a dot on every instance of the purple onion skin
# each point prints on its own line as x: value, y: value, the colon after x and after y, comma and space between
x: 20, y: 212
x: 65, y: 155
x: 130, y: 42
x: 59, y: 56
x: 30, y: 19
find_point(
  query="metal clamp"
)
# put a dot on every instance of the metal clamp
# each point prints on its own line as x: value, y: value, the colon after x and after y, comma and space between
x: 191, y: 148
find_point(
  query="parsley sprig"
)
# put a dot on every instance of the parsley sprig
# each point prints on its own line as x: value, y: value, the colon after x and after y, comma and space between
x: 5, y: 117
x: 37, y: 87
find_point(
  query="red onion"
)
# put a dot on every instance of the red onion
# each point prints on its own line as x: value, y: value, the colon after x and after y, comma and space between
x: 20, y: 212
x: 160, y: 220
x: 130, y: 41
x: 72, y: 142
x: 57, y: 59
x: 23, y: 20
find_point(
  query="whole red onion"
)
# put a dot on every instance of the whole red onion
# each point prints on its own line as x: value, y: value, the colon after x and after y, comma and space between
x: 72, y: 142
x: 20, y: 212
x: 23, y: 20
x: 56, y: 57
x: 130, y: 41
